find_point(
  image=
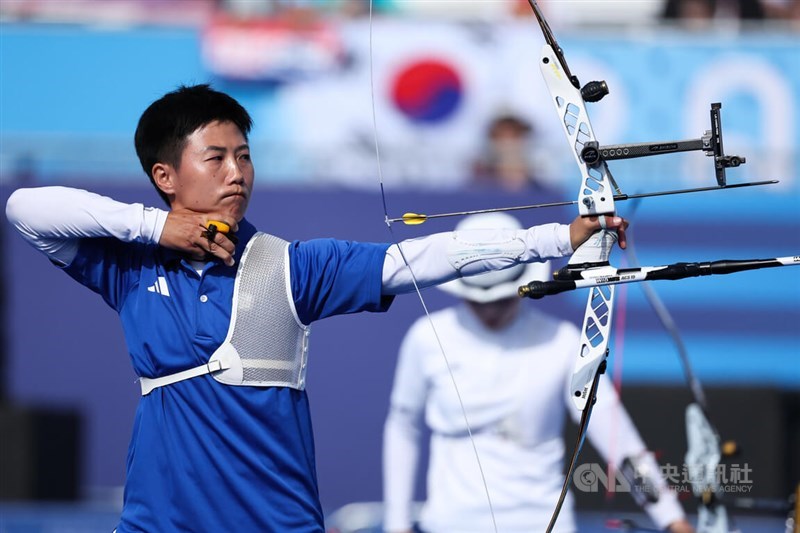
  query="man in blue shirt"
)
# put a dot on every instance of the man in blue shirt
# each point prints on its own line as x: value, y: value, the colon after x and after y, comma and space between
x: 216, y: 323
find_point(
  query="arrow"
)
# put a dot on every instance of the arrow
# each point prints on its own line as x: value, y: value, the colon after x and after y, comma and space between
x: 415, y: 219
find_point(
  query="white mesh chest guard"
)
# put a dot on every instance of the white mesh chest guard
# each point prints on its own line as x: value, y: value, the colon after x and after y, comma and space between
x: 266, y: 344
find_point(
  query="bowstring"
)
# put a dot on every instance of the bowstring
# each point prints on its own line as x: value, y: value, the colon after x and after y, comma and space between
x: 396, y: 242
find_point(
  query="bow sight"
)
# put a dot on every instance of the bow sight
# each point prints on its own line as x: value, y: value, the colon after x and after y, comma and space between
x: 711, y: 143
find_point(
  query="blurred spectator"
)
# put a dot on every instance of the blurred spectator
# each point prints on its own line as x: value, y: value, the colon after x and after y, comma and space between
x: 689, y: 10
x: 693, y: 13
x: 506, y: 160
x: 272, y: 8
x: 783, y: 10
x: 361, y: 8
x: 743, y: 9
x: 181, y: 12
x: 485, y: 10
x: 303, y: 8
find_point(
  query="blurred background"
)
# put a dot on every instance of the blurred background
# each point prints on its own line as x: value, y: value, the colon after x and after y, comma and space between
x: 463, y: 121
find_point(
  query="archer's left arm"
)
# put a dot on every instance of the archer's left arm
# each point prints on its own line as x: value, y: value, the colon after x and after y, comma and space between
x: 442, y: 257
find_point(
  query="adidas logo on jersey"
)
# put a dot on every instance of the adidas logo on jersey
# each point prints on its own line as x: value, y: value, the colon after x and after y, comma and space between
x: 160, y: 287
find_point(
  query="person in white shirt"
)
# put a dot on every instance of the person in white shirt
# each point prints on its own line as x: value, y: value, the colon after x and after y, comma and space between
x: 512, y: 364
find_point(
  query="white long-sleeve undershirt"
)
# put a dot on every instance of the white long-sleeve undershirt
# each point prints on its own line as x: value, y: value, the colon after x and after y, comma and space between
x: 54, y: 219
x: 442, y: 257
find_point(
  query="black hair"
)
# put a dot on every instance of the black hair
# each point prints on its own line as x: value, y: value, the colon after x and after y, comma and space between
x: 164, y: 126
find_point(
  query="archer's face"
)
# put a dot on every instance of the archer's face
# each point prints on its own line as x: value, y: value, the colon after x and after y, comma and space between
x: 216, y: 174
x: 496, y: 315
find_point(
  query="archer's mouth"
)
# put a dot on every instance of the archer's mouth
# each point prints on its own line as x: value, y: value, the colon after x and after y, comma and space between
x: 241, y: 195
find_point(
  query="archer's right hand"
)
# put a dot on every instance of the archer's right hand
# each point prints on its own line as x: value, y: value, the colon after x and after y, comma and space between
x: 186, y: 231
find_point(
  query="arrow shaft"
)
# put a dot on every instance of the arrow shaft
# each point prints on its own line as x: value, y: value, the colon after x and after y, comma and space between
x: 617, y: 198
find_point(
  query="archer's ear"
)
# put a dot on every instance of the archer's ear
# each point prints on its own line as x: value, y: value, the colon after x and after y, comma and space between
x: 163, y: 177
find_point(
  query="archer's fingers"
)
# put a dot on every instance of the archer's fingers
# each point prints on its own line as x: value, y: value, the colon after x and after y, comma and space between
x: 219, y: 239
x: 620, y: 225
x: 621, y: 237
x: 217, y: 244
x: 612, y: 222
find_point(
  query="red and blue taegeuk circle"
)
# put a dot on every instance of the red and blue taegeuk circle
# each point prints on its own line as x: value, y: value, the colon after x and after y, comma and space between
x: 427, y: 90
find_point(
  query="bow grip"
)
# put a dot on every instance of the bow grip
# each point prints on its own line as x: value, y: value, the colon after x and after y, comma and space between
x: 596, y: 249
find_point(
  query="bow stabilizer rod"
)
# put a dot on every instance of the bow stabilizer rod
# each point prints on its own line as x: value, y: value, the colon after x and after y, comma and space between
x: 584, y: 276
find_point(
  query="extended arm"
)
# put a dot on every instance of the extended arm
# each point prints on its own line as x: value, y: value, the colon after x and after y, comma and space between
x: 55, y: 219
x: 442, y: 257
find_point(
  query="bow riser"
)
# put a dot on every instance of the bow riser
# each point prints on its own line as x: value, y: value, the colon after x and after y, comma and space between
x: 595, y: 196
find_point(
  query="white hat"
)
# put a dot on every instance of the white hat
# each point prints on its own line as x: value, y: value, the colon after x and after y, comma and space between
x: 498, y: 284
